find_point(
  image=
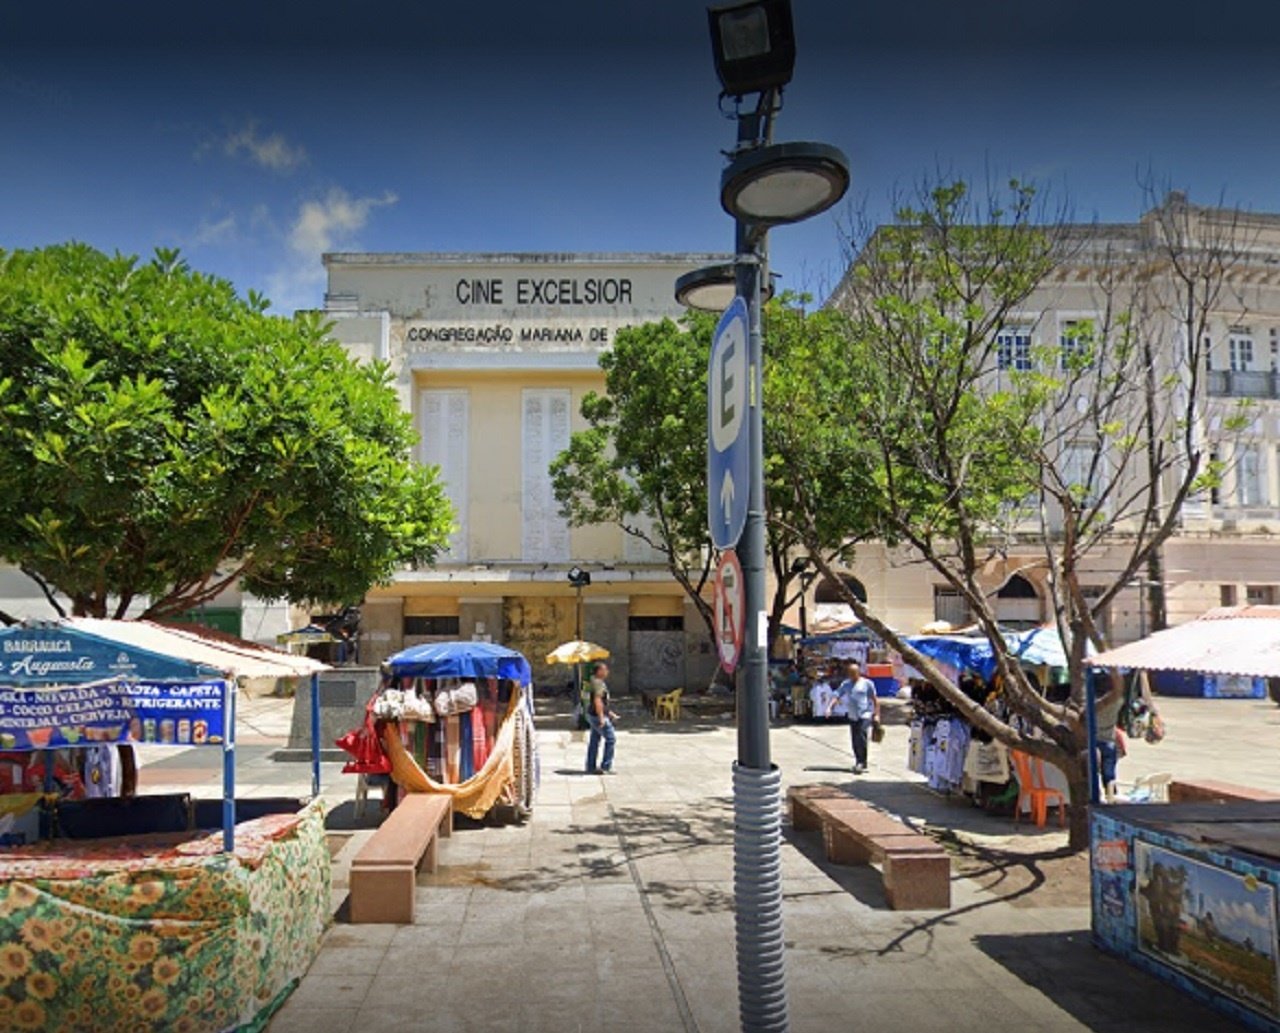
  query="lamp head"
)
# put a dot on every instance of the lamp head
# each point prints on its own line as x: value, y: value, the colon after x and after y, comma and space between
x: 754, y: 45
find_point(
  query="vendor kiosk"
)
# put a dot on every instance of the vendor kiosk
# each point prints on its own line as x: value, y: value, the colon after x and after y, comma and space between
x: 145, y: 915
x: 455, y: 718
x: 1191, y: 891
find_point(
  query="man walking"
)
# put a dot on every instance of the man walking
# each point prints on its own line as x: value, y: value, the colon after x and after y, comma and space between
x: 863, y: 706
x: 601, y: 719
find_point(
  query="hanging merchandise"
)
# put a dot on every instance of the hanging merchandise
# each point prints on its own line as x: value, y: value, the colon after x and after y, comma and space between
x: 456, y: 698
x: 365, y: 746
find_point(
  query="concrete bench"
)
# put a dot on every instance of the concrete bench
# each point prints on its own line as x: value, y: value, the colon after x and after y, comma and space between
x: 384, y: 873
x: 1209, y: 790
x: 916, y: 872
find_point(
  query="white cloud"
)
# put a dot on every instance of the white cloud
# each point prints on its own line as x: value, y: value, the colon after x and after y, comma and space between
x: 271, y: 151
x: 327, y: 224
x: 207, y: 232
x: 323, y: 225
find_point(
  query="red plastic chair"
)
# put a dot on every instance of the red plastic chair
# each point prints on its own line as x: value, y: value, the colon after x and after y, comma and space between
x: 1031, y: 787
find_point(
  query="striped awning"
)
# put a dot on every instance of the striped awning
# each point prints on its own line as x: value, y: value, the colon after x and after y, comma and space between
x: 1243, y: 640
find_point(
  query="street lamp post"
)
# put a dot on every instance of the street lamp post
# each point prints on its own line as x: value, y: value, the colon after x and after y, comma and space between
x: 765, y: 184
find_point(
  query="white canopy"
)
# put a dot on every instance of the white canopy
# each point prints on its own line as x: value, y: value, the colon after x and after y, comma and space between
x: 236, y: 658
x: 1242, y: 640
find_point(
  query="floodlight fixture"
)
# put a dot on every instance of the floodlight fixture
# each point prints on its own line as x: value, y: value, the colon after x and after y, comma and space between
x: 754, y: 45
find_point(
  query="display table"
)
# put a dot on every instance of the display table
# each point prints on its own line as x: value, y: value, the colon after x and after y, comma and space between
x: 162, y: 932
x: 1189, y: 893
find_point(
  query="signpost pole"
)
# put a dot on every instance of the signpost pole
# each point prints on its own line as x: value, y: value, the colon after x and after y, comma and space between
x: 315, y: 734
x: 228, y: 765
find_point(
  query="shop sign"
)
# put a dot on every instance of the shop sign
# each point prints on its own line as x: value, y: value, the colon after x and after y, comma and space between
x: 187, y: 714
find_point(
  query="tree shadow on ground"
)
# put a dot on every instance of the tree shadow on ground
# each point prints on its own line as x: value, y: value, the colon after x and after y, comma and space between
x: 606, y: 850
x: 1102, y: 992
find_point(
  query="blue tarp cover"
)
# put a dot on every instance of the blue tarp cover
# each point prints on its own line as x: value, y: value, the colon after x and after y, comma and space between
x: 460, y: 660
x: 1037, y: 647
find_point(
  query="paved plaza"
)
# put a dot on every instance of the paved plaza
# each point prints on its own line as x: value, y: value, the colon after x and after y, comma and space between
x: 612, y: 909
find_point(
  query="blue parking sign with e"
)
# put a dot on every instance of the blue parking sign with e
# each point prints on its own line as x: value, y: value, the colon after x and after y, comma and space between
x: 728, y: 447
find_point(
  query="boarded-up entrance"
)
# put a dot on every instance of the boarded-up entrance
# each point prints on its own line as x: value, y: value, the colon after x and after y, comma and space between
x: 657, y: 653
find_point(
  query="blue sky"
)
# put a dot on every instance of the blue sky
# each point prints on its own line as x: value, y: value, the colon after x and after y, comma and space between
x: 256, y: 136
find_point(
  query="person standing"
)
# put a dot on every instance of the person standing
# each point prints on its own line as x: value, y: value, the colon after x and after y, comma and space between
x: 859, y: 697
x: 601, y: 719
x: 1108, y: 740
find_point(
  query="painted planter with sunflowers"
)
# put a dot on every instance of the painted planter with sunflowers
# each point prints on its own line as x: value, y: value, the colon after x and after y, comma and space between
x: 162, y: 933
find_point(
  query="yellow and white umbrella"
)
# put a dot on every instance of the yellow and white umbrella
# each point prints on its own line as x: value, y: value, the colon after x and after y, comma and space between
x: 576, y: 652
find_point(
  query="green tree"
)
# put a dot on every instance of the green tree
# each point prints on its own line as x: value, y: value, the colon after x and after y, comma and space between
x: 164, y: 439
x: 1074, y: 451
x: 642, y: 462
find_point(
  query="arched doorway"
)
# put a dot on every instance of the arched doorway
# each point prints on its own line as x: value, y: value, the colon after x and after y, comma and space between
x: 1018, y: 604
x: 829, y: 592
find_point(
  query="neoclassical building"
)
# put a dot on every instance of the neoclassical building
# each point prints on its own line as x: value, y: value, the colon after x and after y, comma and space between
x: 492, y: 354
x: 1226, y: 549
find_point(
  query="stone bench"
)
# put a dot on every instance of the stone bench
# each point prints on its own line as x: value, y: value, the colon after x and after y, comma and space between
x: 1209, y: 790
x: 384, y: 873
x: 916, y: 872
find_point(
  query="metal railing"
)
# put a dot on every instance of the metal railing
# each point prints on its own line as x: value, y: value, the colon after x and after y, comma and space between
x: 1226, y: 383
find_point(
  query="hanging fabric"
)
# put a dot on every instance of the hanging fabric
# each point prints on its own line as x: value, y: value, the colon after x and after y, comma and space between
x: 476, y: 795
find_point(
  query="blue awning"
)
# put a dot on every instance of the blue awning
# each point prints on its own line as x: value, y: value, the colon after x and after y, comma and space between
x: 460, y: 660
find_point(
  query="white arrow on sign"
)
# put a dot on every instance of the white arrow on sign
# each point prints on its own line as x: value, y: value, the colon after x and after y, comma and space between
x: 726, y: 496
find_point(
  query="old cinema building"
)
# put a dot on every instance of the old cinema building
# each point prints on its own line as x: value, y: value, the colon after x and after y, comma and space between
x: 492, y: 355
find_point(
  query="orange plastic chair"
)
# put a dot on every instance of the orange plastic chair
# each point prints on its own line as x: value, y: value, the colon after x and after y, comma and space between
x: 1031, y: 787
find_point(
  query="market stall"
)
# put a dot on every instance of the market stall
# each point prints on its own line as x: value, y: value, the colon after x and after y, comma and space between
x: 140, y: 914
x: 457, y: 718
x: 943, y: 747
x: 1191, y: 891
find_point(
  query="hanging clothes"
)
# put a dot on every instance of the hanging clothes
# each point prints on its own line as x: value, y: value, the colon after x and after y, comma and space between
x: 479, y: 739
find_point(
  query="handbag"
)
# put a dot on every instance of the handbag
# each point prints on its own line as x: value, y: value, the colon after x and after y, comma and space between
x: 877, y: 732
x: 365, y: 747
x: 456, y: 699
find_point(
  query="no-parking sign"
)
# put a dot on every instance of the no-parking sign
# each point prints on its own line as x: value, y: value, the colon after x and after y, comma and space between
x: 730, y: 610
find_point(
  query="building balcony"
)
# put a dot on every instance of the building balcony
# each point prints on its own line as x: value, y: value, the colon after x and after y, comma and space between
x: 1225, y: 383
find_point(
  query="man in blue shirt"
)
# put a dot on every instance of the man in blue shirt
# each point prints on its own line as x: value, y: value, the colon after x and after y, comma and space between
x: 863, y: 706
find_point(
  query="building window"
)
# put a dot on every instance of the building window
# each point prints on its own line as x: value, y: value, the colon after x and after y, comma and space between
x: 655, y: 624
x: 1227, y: 595
x: 544, y: 435
x: 1075, y: 344
x: 1275, y: 350
x: 950, y: 606
x: 443, y: 421
x: 1076, y: 468
x: 1013, y: 348
x: 432, y: 626
x: 1092, y: 593
x: 1240, y: 349
x: 1249, y: 477
x: 1206, y: 345
x: 1215, y: 492
x: 1260, y: 595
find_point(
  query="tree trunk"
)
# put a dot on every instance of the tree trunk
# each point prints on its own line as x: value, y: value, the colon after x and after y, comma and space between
x: 1077, y: 771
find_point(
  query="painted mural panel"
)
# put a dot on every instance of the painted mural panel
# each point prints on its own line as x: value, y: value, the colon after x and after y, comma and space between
x: 1216, y: 926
